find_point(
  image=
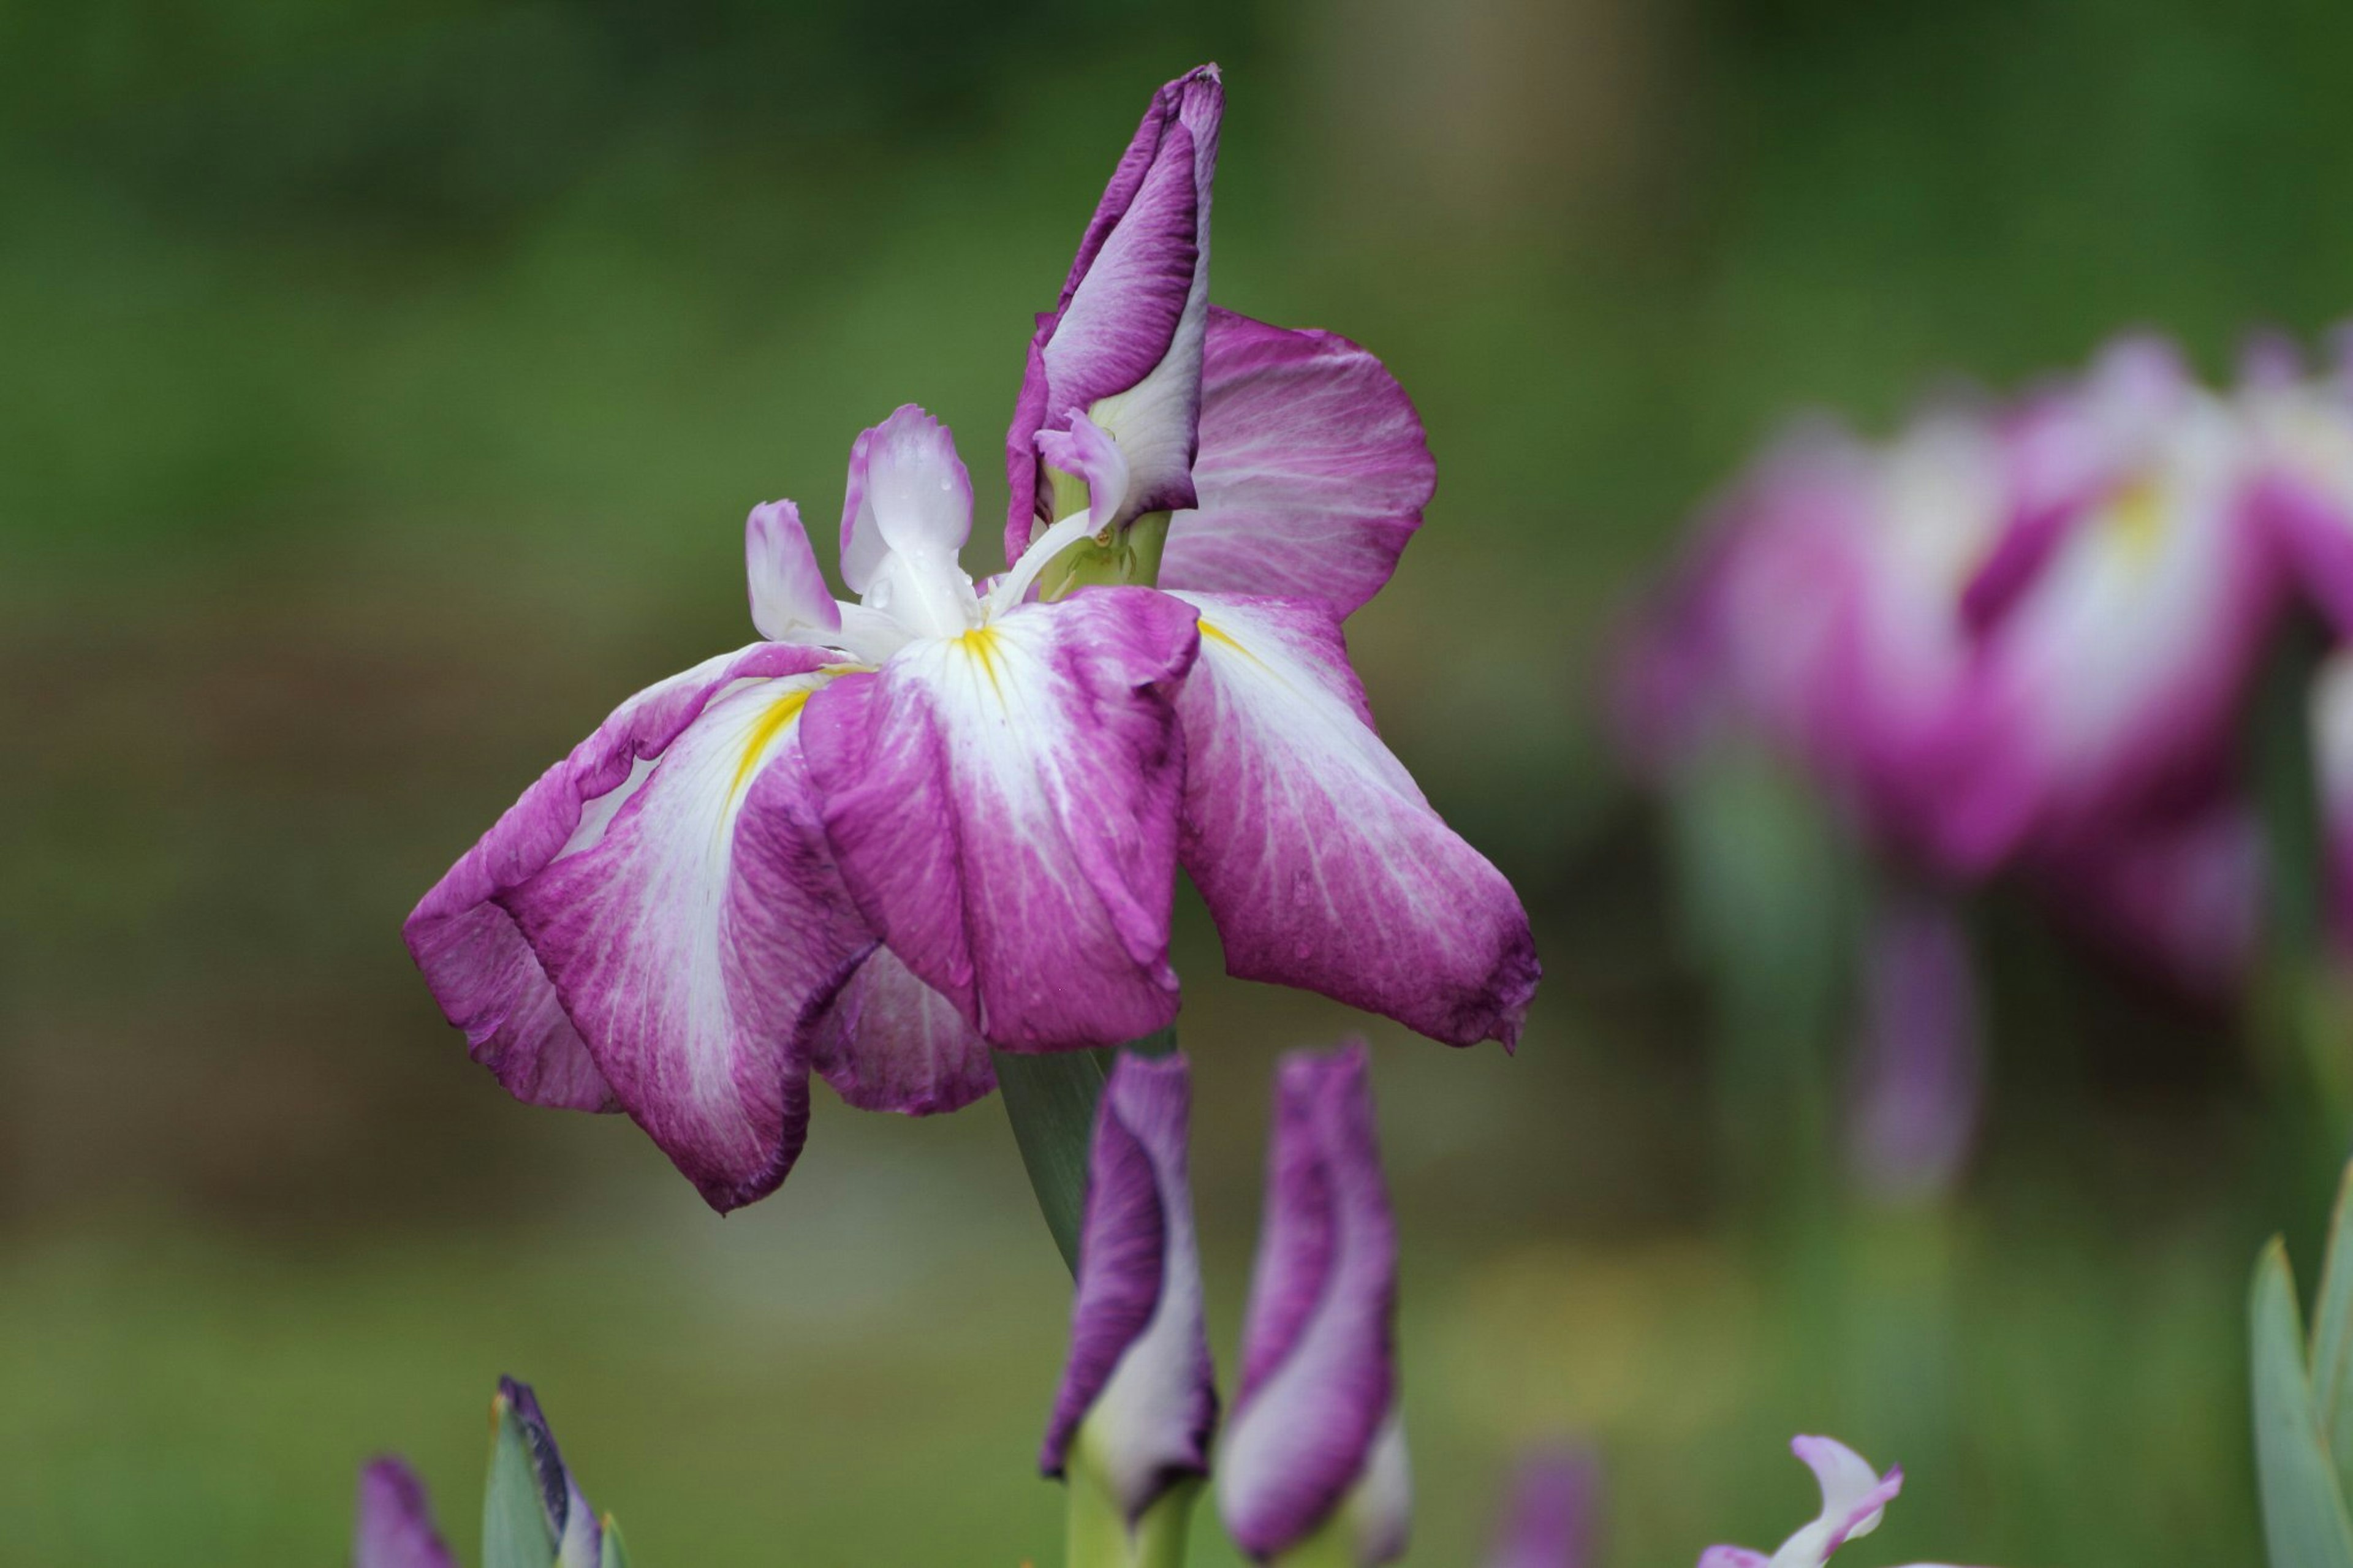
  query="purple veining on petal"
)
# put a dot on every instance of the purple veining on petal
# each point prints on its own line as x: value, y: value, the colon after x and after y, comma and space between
x: 788, y: 591
x: 475, y: 961
x: 395, y: 1525
x: 1138, y: 1395
x: 888, y: 1042
x: 1132, y: 313
x: 1919, y: 1074
x: 1313, y: 470
x: 695, y: 943
x: 908, y: 492
x: 1320, y: 860
x: 1003, y: 806
x: 1548, y: 1519
x: 1319, y: 1377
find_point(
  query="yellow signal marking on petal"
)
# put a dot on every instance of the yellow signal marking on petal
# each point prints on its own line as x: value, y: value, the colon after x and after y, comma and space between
x: 2137, y: 515
x: 781, y: 712
x: 1217, y: 634
x: 981, y: 643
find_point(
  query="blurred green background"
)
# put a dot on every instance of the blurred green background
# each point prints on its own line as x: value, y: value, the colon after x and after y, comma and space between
x: 386, y: 385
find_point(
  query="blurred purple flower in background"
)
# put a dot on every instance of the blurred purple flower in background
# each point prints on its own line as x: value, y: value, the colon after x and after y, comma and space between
x: 1138, y: 1397
x: 1920, y: 1062
x: 1853, y: 1498
x: 394, y: 1527
x: 1317, y: 1444
x: 948, y: 817
x: 1548, y: 1519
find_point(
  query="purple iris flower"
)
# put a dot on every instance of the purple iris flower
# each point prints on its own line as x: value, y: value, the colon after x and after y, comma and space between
x: 1138, y: 1397
x: 1853, y: 1499
x: 948, y: 817
x: 1315, y: 1450
x: 395, y: 1525
x: 1548, y: 1521
x: 2010, y: 640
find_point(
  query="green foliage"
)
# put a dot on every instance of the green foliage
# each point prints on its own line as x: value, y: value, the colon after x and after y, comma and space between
x: 1050, y: 1100
x: 2304, y: 1403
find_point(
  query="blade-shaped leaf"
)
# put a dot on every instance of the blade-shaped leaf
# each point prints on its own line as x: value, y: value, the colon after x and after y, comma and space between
x: 1050, y: 1099
x: 2332, y: 1338
x: 514, y: 1521
x: 2305, y: 1522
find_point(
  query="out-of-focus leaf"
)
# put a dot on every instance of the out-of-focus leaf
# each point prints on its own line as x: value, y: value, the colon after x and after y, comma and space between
x: 514, y: 1521
x: 1051, y: 1100
x: 2332, y: 1338
x: 2304, y: 1522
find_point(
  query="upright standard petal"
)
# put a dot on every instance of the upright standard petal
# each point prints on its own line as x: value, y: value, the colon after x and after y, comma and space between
x: 888, y: 1042
x: 696, y: 940
x: 789, y: 599
x: 1314, y: 1442
x: 1323, y: 864
x: 1548, y: 1521
x: 1311, y: 474
x: 1122, y: 345
x: 1003, y: 805
x: 395, y: 1521
x: 908, y: 494
x: 475, y: 960
x: 1138, y: 1396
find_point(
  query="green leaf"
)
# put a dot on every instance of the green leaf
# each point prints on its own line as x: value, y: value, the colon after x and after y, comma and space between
x: 514, y: 1521
x: 1050, y: 1099
x: 615, y: 1554
x: 2305, y: 1522
x: 2332, y: 1337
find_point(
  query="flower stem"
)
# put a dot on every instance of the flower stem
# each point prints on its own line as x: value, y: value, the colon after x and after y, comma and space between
x: 1050, y: 1100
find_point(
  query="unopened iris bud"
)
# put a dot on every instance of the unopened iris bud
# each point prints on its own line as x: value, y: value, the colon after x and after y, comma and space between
x: 393, y: 1527
x: 532, y: 1513
x: 1129, y: 1431
x: 1314, y: 1464
x: 1548, y: 1519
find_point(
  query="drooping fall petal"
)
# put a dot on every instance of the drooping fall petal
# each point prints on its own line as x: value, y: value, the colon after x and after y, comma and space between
x: 1311, y: 474
x: 394, y: 1527
x: 888, y: 1042
x: 475, y: 960
x: 1122, y: 345
x: 1320, y: 860
x: 1138, y: 1396
x: 1313, y: 1440
x: 695, y: 940
x: 1003, y: 805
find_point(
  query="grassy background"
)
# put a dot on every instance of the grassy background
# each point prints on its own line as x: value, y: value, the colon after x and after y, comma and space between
x: 387, y: 382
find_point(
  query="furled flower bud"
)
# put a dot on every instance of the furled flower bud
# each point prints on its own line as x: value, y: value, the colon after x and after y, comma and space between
x: 1129, y: 1431
x: 532, y: 1512
x: 393, y: 1528
x: 1315, y: 1459
x: 1548, y: 1521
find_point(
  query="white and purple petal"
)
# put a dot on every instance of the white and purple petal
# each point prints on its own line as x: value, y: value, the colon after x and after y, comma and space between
x: 1003, y: 805
x: 1124, y: 342
x: 1312, y: 473
x: 1321, y: 863
x: 1312, y: 1424
x: 474, y: 958
x: 1138, y: 1396
x: 790, y: 602
x: 695, y: 941
x: 394, y: 1527
x: 888, y: 1042
x: 908, y: 494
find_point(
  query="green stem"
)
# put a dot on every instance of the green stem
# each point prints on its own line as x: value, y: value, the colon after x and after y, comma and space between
x: 1327, y: 1548
x: 1050, y: 1100
x: 1098, y: 1536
